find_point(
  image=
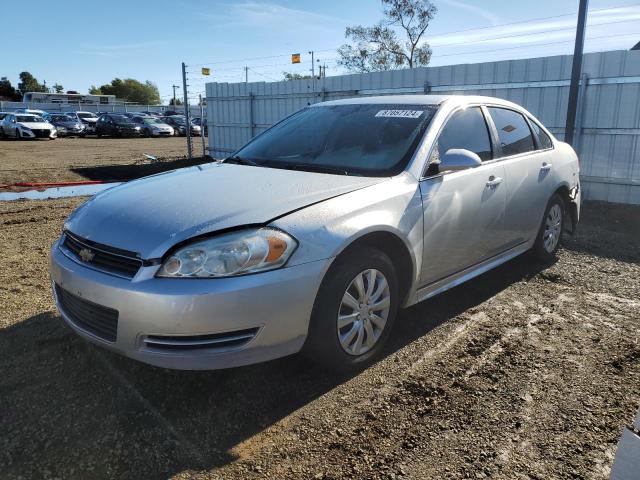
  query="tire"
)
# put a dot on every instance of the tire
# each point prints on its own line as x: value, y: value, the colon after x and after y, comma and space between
x: 331, y: 341
x: 147, y: 133
x: 18, y: 135
x: 2, y: 134
x: 551, y: 230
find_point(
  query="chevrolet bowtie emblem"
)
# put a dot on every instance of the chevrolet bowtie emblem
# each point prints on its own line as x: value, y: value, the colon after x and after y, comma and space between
x: 86, y: 255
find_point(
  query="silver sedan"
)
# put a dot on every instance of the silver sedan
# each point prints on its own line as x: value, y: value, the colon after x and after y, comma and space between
x: 314, y: 234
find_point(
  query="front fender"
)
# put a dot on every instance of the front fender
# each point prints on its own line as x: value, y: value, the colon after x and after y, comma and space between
x: 326, y: 229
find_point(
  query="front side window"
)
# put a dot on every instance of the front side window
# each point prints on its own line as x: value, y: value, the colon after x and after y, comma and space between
x: 356, y: 139
x: 466, y: 129
x: 513, y: 131
x: 543, y: 138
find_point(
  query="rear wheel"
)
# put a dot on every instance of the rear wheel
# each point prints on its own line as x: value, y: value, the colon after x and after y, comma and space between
x: 354, y: 311
x: 550, y: 234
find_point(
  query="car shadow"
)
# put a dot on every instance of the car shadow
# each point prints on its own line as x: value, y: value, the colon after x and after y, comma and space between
x: 119, y: 173
x: 78, y: 411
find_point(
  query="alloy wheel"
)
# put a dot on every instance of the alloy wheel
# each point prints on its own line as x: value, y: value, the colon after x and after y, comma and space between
x: 363, y: 312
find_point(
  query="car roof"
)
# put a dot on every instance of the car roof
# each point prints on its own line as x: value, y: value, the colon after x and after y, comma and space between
x: 425, y: 99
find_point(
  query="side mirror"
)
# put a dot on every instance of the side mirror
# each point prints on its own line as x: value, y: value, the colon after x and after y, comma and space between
x: 456, y: 159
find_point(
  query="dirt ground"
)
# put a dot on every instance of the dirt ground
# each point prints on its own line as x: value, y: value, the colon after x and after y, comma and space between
x: 90, y: 158
x: 527, y: 372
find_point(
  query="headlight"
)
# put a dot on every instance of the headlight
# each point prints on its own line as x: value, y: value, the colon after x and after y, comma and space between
x: 236, y: 253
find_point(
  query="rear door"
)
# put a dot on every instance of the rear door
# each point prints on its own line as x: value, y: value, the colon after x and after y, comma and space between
x: 527, y: 166
x: 463, y: 210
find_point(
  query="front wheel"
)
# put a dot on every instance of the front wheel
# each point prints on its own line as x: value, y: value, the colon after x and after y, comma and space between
x: 18, y: 135
x: 550, y: 234
x: 354, y: 311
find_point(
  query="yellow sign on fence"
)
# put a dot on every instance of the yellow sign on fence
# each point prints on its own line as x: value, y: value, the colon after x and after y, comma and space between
x: 206, y: 71
x: 295, y: 58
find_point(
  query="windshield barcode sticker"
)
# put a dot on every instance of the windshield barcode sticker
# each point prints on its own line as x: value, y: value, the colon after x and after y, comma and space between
x: 400, y: 113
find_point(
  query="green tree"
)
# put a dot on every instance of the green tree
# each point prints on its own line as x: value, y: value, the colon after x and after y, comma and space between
x: 58, y: 88
x: 130, y: 90
x: 380, y: 48
x: 7, y: 91
x: 178, y: 101
x: 28, y: 83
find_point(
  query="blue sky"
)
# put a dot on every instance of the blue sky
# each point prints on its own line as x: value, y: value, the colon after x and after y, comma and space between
x: 79, y: 43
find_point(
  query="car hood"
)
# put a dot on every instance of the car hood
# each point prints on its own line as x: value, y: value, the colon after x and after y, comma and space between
x: 69, y: 124
x: 150, y: 215
x: 89, y: 120
x: 36, y: 125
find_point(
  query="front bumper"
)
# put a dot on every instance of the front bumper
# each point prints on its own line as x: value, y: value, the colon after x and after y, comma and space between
x: 38, y: 133
x: 278, y: 303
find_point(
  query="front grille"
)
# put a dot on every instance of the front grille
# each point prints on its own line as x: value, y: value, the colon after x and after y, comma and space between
x: 96, y: 319
x: 41, y: 132
x: 102, y: 257
x: 213, y: 341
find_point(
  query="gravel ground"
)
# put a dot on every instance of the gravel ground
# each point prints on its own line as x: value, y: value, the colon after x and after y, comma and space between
x: 72, y: 159
x: 528, y: 371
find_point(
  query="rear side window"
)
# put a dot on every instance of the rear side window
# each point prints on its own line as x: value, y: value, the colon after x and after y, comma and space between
x: 513, y: 131
x: 466, y: 129
x: 543, y: 138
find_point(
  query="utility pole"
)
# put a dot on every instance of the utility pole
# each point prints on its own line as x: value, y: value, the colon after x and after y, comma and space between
x: 313, y: 73
x: 576, y: 69
x: 246, y: 74
x: 202, y: 125
x: 174, y: 95
x: 187, y: 113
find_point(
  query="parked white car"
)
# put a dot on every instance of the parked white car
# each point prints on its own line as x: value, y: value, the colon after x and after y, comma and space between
x: 153, y: 127
x: 88, y: 119
x: 25, y: 125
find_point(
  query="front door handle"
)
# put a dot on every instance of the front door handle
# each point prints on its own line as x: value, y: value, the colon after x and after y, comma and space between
x: 545, y: 167
x: 494, y: 181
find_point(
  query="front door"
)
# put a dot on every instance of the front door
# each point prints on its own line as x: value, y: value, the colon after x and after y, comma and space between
x: 463, y: 209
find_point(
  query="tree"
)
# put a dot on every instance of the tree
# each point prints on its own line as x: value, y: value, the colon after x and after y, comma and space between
x: 7, y: 91
x: 130, y: 90
x: 379, y: 48
x: 296, y: 76
x: 28, y: 83
x: 178, y: 102
x: 58, y: 88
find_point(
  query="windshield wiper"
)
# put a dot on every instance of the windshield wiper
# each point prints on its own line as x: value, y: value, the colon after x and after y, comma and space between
x: 310, y: 168
x: 240, y: 161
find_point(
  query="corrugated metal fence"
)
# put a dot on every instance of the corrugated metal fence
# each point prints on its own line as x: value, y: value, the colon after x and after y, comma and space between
x: 608, y: 125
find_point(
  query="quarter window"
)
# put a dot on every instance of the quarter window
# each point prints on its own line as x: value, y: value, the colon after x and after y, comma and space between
x: 513, y: 131
x: 543, y: 138
x: 465, y: 129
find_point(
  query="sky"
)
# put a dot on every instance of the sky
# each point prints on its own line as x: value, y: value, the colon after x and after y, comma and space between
x: 78, y: 43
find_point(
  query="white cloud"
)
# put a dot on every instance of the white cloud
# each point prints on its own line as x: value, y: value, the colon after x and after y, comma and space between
x: 482, y: 12
x: 272, y: 16
x: 548, y: 30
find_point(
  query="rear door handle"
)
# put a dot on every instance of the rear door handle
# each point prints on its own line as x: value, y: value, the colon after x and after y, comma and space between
x: 545, y: 167
x: 494, y: 181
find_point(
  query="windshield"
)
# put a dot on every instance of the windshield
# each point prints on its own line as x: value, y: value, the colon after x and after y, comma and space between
x: 61, y: 118
x: 121, y: 119
x: 86, y: 115
x: 179, y: 120
x: 151, y: 121
x: 360, y: 139
x: 29, y: 119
